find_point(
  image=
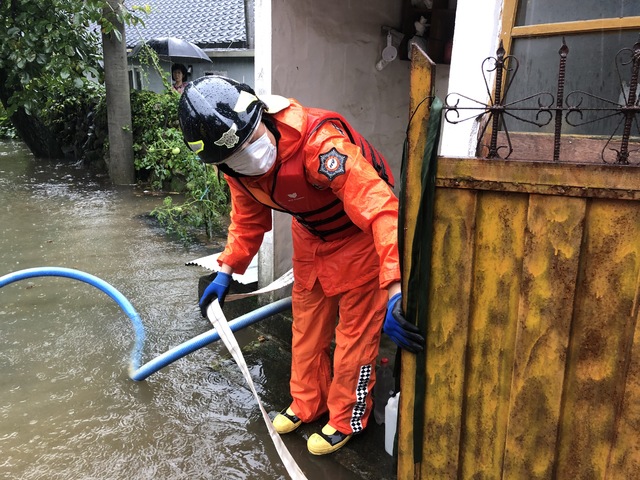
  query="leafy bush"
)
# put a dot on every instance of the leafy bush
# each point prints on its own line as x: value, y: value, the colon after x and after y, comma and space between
x: 163, y: 161
x: 206, y: 204
x: 6, y: 127
x: 70, y: 113
x: 156, y: 136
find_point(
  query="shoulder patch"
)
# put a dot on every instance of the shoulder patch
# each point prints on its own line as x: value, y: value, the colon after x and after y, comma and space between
x: 332, y: 163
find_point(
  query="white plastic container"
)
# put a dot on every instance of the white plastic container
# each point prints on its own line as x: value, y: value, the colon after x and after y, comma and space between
x: 390, y: 422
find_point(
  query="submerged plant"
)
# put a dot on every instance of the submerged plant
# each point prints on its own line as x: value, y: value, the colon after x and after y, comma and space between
x: 205, y: 204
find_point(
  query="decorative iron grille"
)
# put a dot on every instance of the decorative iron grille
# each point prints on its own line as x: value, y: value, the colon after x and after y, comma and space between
x: 575, y: 109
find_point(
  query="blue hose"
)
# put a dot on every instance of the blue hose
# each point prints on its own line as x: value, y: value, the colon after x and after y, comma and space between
x: 135, y: 372
x: 120, y: 299
x: 208, y: 337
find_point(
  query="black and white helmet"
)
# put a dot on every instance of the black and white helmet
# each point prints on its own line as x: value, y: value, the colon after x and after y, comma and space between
x: 217, y: 115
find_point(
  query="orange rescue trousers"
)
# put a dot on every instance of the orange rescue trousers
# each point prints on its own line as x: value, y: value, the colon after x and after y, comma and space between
x: 347, y: 393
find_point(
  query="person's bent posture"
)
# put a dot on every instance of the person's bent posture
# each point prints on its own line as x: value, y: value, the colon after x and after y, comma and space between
x: 278, y: 155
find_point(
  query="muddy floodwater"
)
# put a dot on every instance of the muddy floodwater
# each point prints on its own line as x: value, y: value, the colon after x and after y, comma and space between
x: 68, y: 409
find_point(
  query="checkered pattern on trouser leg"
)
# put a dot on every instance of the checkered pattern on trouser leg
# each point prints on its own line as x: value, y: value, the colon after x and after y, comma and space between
x: 361, y: 394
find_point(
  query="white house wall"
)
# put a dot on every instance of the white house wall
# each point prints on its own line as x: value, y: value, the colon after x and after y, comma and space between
x: 324, y: 55
x: 475, y: 38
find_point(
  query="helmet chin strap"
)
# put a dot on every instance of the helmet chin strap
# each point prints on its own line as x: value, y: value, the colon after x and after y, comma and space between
x: 224, y: 168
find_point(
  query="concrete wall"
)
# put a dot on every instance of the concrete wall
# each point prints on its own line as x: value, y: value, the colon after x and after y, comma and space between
x: 324, y: 55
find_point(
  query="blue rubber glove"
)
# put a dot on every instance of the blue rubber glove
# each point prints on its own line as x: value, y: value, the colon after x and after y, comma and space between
x: 404, y: 334
x: 218, y: 288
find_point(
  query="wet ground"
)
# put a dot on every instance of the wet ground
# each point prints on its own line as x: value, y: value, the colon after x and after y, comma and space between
x: 68, y: 409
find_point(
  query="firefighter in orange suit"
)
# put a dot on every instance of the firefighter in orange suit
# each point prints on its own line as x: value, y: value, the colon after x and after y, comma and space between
x: 279, y: 155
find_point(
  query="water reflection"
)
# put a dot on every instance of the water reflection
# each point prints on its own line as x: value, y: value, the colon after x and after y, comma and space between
x: 68, y: 408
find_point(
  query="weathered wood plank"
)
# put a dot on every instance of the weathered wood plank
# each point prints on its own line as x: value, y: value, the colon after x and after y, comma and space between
x: 582, y: 26
x: 500, y: 227
x: 452, y: 261
x: 550, y: 267
x: 624, y: 460
x: 577, y: 149
x: 422, y: 86
x: 605, y: 317
x: 588, y: 180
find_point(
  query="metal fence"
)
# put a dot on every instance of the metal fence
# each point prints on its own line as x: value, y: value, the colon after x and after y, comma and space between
x: 575, y: 109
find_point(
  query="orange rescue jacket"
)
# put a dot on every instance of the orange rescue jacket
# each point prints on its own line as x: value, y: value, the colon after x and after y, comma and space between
x: 334, y: 184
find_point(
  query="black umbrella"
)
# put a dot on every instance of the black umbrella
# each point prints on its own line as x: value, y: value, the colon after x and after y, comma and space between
x: 173, y: 49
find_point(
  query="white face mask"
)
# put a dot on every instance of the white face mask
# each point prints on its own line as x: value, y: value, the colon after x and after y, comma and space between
x: 256, y: 159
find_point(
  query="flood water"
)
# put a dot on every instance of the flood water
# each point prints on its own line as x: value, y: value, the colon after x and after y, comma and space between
x: 68, y: 409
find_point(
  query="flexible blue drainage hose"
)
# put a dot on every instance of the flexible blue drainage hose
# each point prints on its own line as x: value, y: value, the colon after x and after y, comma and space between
x: 208, y: 337
x: 135, y: 372
x: 120, y: 299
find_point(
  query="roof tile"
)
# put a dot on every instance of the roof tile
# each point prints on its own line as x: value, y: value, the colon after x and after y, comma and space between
x: 207, y: 23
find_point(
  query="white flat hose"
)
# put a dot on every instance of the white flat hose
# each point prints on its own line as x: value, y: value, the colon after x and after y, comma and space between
x: 219, y: 321
x: 282, y: 281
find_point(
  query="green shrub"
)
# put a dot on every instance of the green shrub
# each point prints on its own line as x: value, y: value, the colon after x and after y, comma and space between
x: 205, y: 205
x: 70, y: 114
x: 163, y: 161
x: 6, y: 127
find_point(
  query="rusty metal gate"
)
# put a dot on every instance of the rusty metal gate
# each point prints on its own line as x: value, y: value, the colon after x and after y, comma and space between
x: 532, y: 363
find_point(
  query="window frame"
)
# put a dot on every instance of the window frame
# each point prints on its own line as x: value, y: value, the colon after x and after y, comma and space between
x: 510, y: 32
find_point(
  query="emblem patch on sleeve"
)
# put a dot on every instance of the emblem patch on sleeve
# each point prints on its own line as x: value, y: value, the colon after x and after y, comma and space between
x: 332, y: 163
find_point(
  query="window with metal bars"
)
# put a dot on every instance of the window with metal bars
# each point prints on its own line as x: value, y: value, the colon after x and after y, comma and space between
x: 565, y: 83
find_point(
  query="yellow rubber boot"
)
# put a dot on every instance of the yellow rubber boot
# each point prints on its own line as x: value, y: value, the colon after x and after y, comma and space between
x: 327, y: 441
x: 286, y: 421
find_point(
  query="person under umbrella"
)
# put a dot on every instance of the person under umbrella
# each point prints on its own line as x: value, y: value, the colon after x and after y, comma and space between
x: 179, y: 76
